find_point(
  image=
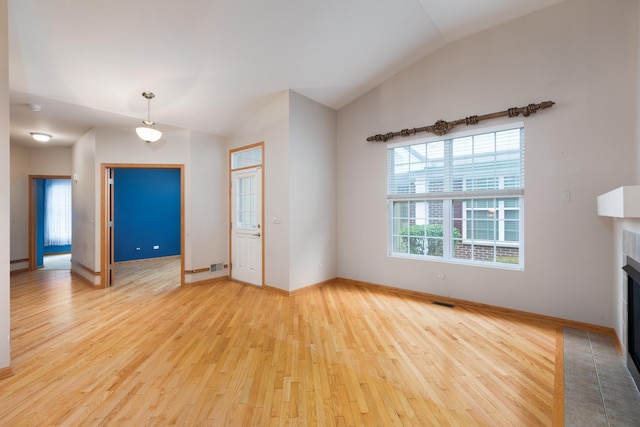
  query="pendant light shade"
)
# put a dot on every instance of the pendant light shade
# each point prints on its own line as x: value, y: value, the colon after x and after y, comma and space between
x: 147, y: 133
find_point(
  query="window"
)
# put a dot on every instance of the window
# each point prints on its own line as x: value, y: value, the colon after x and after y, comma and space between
x: 459, y: 199
x: 246, y: 158
x: 246, y: 208
x: 57, y: 212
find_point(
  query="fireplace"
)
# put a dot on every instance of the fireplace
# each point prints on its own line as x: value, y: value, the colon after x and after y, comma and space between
x: 624, y: 203
x: 633, y: 318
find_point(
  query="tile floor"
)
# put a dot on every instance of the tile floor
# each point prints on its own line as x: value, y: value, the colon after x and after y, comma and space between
x: 599, y: 390
x: 57, y: 262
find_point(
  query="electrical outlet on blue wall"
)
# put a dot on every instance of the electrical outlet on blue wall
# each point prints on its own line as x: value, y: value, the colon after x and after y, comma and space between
x: 156, y: 246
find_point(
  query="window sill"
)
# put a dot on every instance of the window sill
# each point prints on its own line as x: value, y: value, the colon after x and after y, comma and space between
x: 490, y: 243
x: 500, y: 266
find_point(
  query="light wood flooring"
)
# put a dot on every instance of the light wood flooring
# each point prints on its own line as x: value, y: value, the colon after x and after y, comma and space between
x: 147, y: 352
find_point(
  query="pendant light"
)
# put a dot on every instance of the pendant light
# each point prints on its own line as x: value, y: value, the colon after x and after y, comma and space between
x: 146, y: 132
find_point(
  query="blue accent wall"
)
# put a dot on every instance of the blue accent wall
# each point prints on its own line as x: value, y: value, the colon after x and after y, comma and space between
x: 56, y: 249
x: 40, y: 222
x: 146, y: 213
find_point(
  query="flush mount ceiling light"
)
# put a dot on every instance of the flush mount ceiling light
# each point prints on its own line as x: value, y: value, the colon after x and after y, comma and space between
x: 146, y: 132
x: 40, y: 137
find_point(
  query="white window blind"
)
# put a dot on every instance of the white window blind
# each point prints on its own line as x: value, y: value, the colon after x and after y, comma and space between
x: 490, y: 164
x: 57, y: 213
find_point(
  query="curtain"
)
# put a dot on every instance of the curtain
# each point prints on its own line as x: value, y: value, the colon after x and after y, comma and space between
x: 57, y: 212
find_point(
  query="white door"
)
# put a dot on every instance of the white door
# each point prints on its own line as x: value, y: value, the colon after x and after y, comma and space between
x: 246, y: 229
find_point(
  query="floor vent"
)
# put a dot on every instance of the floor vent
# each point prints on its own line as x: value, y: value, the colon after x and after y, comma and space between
x: 444, y: 304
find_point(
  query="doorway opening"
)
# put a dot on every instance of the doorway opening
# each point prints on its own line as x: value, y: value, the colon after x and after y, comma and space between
x: 246, y: 213
x: 50, y: 222
x: 142, y: 222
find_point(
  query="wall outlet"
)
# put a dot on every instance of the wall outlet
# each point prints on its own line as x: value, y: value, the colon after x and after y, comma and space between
x: 156, y: 246
x: 137, y: 249
x: 440, y: 276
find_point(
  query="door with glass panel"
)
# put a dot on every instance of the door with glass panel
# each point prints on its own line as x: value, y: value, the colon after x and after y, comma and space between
x: 246, y: 216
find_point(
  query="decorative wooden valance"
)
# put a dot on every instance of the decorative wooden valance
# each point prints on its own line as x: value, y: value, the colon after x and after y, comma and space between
x: 441, y: 127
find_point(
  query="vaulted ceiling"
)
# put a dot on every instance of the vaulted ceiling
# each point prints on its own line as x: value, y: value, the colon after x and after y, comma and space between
x: 212, y: 62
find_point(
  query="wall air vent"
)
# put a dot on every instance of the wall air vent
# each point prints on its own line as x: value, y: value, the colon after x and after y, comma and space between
x: 217, y: 267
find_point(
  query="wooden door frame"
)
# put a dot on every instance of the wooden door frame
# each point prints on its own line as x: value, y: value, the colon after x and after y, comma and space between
x: 263, y: 231
x: 32, y: 215
x: 105, y: 242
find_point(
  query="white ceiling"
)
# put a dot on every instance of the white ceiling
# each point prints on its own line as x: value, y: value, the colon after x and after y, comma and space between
x: 212, y: 62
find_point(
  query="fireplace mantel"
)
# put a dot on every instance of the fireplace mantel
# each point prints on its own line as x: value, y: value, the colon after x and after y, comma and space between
x: 623, y: 202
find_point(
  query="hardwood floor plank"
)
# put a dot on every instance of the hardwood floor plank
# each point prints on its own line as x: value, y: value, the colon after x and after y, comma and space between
x: 147, y: 352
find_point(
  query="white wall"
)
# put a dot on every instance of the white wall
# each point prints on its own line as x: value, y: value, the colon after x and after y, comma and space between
x: 50, y: 161
x: 19, y: 188
x: 580, y: 54
x: 83, y: 199
x: 5, y: 193
x: 271, y: 126
x: 637, y: 90
x: 312, y: 192
x: 207, y: 218
x: 24, y: 162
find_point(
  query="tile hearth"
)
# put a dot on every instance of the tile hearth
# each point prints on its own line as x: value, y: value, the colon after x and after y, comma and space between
x: 598, y: 389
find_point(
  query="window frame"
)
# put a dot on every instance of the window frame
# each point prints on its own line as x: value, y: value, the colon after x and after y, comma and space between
x: 453, y: 192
